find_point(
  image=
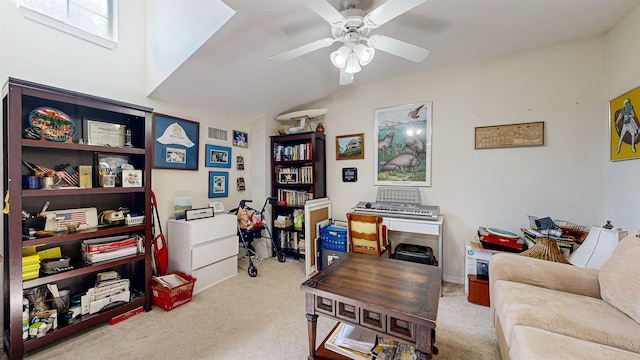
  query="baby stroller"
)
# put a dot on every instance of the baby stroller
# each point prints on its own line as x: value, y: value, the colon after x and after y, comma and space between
x: 250, y: 226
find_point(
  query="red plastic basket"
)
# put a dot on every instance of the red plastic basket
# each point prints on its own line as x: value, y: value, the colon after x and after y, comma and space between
x: 171, y: 298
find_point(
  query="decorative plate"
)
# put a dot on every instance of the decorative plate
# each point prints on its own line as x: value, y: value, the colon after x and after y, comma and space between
x: 54, y: 125
x: 503, y: 233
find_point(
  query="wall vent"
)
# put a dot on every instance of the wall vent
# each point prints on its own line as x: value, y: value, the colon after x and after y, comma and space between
x: 218, y: 134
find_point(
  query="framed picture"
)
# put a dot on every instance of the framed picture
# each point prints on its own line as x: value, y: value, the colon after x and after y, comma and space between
x: 103, y: 133
x: 218, y: 156
x: 131, y: 178
x: 287, y: 177
x: 240, y: 184
x: 240, y: 162
x: 403, y: 134
x: 110, y: 164
x: 217, y: 206
x: 218, y: 184
x: 195, y: 214
x: 240, y: 139
x: 623, y: 126
x: 180, y: 205
x: 507, y: 136
x: 175, y: 143
x: 350, y: 147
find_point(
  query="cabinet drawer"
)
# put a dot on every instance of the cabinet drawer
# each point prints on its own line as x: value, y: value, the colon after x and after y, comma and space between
x: 217, y: 227
x: 213, y: 251
x: 215, y: 273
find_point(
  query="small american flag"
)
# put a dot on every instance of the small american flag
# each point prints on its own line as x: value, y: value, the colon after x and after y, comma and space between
x: 69, y: 175
x: 79, y: 217
x: 64, y: 172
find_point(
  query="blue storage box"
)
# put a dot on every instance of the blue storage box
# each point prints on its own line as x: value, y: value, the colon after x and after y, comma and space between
x: 334, y: 238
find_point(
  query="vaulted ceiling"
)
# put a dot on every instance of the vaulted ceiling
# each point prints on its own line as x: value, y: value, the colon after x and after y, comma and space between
x: 232, y: 73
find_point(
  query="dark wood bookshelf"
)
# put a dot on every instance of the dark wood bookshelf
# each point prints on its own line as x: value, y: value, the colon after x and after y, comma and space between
x: 19, y: 99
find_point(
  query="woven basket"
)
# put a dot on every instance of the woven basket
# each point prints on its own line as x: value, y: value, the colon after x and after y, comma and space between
x: 545, y: 249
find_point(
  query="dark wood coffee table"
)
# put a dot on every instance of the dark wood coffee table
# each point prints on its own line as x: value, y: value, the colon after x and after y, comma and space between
x: 395, y: 298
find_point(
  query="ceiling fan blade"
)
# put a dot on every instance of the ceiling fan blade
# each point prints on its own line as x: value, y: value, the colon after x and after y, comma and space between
x: 398, y: 48
x: 325, y: 10
x: 388, y: 11
x: 302, y: 50
x: 345, y: 78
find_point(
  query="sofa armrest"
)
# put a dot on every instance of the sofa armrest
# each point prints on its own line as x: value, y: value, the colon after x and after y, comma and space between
x: 543, y: 273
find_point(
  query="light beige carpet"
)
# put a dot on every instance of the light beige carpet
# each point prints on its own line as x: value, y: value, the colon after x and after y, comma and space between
x: 256, y: 318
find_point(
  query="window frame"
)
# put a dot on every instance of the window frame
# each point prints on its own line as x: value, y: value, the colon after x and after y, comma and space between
x: 64, y: 26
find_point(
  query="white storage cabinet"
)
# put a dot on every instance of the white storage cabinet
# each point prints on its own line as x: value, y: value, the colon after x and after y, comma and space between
x: 206, y: 249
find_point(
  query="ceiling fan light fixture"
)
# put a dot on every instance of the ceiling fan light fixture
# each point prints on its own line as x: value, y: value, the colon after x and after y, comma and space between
x: 365, y: 54
x: 339, y: 57
x: 353, y: 64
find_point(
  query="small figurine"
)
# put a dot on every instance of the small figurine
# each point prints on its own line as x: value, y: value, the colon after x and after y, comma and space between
x: 320, y: 128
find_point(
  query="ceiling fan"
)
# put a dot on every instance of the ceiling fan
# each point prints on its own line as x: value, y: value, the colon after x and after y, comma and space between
x: 352, y: 27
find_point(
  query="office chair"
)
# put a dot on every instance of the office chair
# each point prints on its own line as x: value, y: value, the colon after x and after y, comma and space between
x: 367, y: 234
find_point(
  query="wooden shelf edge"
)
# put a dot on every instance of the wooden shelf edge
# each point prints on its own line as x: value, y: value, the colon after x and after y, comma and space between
x: 83, y: 234
x: 81, y: 271
x: 81, y: 147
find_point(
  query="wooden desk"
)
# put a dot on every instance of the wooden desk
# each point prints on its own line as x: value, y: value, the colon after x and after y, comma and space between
x: 392, y: 297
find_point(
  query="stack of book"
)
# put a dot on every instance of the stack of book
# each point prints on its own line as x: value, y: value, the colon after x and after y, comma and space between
x: 363, y: 344
x: 112, y: 247
x: 105, y: 294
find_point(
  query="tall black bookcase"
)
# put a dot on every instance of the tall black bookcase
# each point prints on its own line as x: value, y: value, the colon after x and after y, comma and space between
x: 298, y: 174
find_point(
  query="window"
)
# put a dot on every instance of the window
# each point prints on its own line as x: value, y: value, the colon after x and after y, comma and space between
x: 91, y: 20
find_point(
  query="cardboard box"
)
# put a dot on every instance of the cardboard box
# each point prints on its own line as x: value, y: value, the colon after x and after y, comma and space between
x: 475, y: 253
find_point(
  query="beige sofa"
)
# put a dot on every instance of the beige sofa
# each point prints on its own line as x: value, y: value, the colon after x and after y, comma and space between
x: 547, y: 310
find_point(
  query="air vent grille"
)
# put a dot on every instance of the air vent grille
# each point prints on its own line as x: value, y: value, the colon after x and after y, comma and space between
x: 219, y: 134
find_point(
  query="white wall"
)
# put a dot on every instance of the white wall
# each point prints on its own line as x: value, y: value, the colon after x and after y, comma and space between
x: 560, y: 85
x: 175, y: 32
x: 622, y: 74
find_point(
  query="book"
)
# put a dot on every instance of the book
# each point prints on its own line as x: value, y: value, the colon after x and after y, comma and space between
x: 110, y: 255
x: 93, y: 247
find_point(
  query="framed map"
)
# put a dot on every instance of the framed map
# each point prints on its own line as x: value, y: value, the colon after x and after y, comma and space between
x: 513, y: 135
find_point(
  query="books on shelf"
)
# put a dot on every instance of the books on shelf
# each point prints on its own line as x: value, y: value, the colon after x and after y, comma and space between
x: 112, y: 247
x: 294, y: 175
x: 293, y: 197
x: 292, y: 152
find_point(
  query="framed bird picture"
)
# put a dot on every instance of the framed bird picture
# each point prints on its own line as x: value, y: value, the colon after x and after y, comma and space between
x: 403, y: 156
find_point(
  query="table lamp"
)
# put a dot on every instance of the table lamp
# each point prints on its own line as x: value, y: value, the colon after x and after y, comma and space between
x: 597, y: 247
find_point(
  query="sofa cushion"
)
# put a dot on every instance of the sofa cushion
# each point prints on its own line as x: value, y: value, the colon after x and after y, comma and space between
x: 619, y: 280
x: 536, y: 344
x: 578, y: 316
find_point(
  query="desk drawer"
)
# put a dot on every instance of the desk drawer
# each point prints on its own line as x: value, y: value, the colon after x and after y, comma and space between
x: 347, y: 312
x: 325, y: 305
x: 401, y: 328
x: 412, y: 226
x: 373, y: 319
